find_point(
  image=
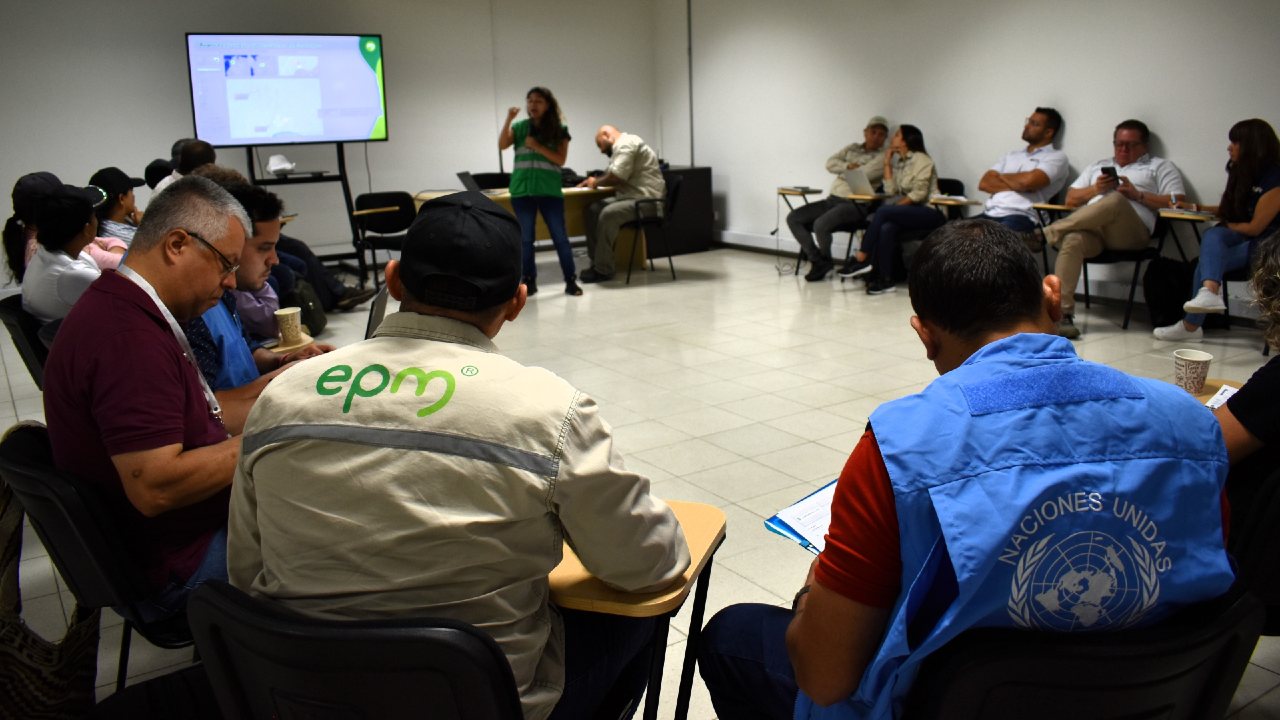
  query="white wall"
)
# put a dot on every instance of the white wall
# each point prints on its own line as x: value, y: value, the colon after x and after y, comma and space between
x: 779, y: 86
x: 90, y: 84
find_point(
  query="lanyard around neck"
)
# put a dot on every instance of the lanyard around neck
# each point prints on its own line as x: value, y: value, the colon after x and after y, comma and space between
x: 215, y: 409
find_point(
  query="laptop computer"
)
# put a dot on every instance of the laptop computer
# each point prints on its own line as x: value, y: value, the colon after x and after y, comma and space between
x: 377, y: 310
x: 858, y: 182
x: 468, y: 182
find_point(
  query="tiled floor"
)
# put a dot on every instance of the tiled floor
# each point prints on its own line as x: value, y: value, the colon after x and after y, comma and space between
x: 735, y: 385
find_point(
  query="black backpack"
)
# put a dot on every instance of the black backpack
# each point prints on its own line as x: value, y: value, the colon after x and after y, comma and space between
x: 1167, y: 285
x: 304, y: 296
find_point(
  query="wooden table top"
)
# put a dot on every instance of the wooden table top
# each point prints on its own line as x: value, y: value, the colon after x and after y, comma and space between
x: 1211, y: 386
x: 573, y: 587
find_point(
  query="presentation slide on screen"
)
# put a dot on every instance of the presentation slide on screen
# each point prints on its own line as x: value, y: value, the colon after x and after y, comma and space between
x: 281, y: 89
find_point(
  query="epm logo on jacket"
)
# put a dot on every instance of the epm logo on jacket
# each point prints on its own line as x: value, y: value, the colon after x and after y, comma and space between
x: 1066, y: 578
x: 374, y: 379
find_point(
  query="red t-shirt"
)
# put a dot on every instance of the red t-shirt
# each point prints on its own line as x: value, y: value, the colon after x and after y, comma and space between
x: 116, y: 382
x: 862, y: 559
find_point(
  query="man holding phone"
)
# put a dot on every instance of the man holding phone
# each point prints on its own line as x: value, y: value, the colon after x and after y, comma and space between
x: 1118, y: 198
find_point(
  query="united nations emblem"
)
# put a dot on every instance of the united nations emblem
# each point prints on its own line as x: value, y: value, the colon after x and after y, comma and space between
x: 1086, y: 581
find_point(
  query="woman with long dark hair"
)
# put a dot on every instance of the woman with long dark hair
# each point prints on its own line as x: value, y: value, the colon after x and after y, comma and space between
x: 542, y: 144
x: 911, y: 179
x: 1249, y: 211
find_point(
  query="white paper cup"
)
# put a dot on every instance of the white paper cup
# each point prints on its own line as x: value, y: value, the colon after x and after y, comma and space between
x: 1190, y: 368
x: 290, y: 322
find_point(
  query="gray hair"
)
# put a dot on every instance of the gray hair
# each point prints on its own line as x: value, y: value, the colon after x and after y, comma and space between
x: 191, y: 203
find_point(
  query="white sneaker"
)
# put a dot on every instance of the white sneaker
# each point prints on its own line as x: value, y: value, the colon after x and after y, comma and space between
x: 1178, y: 332
x: 1205, y: 301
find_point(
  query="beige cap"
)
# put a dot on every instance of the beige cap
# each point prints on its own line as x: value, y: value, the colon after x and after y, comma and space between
x: 878, y: 120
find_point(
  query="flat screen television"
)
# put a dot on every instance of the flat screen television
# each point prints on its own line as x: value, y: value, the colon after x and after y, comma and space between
x: 253, y: 89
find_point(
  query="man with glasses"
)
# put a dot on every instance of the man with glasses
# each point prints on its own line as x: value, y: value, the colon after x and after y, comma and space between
x: 236, y: 367
x: 128, y: 410
x: 1120, y: 196
x: 1026, y: 176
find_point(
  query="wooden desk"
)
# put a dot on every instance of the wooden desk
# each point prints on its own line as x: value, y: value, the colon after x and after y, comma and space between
x: 953, y: 201
x: 1187, y: 216
x: 1211, y: 386
x: 574, y: 588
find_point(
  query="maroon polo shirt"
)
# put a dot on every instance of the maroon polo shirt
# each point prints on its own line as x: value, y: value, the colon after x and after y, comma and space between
x: 116, y: 382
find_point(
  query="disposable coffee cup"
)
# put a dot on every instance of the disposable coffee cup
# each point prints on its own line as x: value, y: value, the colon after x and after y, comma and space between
x: 1190, y: 368
x: 290, y: 322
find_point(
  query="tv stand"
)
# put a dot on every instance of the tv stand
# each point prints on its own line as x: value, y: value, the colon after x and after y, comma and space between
x: 320, y: 176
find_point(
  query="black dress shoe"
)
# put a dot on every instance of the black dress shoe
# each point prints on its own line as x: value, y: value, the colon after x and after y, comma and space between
x: 819, y: 270
x: 591, y: 276
x: 531, y: 285
x: 353, y: 297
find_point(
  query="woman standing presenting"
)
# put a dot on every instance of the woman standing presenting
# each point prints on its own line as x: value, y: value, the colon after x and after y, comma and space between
x: 909, y: 176
x: 542, y: 144
x: 1249, y: 211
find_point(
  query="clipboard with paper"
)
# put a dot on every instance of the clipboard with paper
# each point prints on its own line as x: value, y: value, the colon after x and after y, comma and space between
x: 806, y: 520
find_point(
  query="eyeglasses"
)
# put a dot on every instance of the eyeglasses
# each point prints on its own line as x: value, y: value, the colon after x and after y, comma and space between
x: 1119, y: 145
x: 228, y: 267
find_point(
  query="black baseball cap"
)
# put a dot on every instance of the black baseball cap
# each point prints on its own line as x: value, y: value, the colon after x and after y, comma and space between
x: 462, y: 252
x: 115, y: 181
x: 30, y: 190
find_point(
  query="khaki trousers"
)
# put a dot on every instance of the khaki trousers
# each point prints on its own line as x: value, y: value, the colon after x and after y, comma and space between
x: 1109, y: 224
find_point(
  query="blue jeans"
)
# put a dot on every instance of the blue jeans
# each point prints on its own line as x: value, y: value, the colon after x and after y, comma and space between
x: 743, y: 660
x: 552, y: 209
x: 1016, y: 223
x: 888, y: 224
x: 606, y: 664
x: 1221, y: 251
x: 173, y: 598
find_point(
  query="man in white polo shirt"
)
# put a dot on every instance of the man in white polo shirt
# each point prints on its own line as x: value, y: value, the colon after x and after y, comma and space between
x: 1026, y: 176
x: 1120, y: 196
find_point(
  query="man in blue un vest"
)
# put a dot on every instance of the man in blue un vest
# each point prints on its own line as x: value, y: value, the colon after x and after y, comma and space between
x: 1023, y: 488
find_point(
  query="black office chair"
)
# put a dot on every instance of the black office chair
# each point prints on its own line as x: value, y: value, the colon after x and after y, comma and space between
x: 1254, y: 542
x: 1137, y: 257
x: 954, y: 187
x: 24, y: 328
x: 648, y: 218
x: 266, y: 662
x: 1186, y: 668
x: 382, y: 219
x: 83, y: 541
x: 48, y: 332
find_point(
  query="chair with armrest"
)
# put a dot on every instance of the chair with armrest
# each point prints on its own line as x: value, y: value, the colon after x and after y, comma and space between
x: 1186, y: 667
x: 266, y: 662
x: 648, y: 217
x: 24, y: 328
x: 1254, y: 491
x: 83, y: 541
x: 1137, y: 257
x: 382, y: 219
